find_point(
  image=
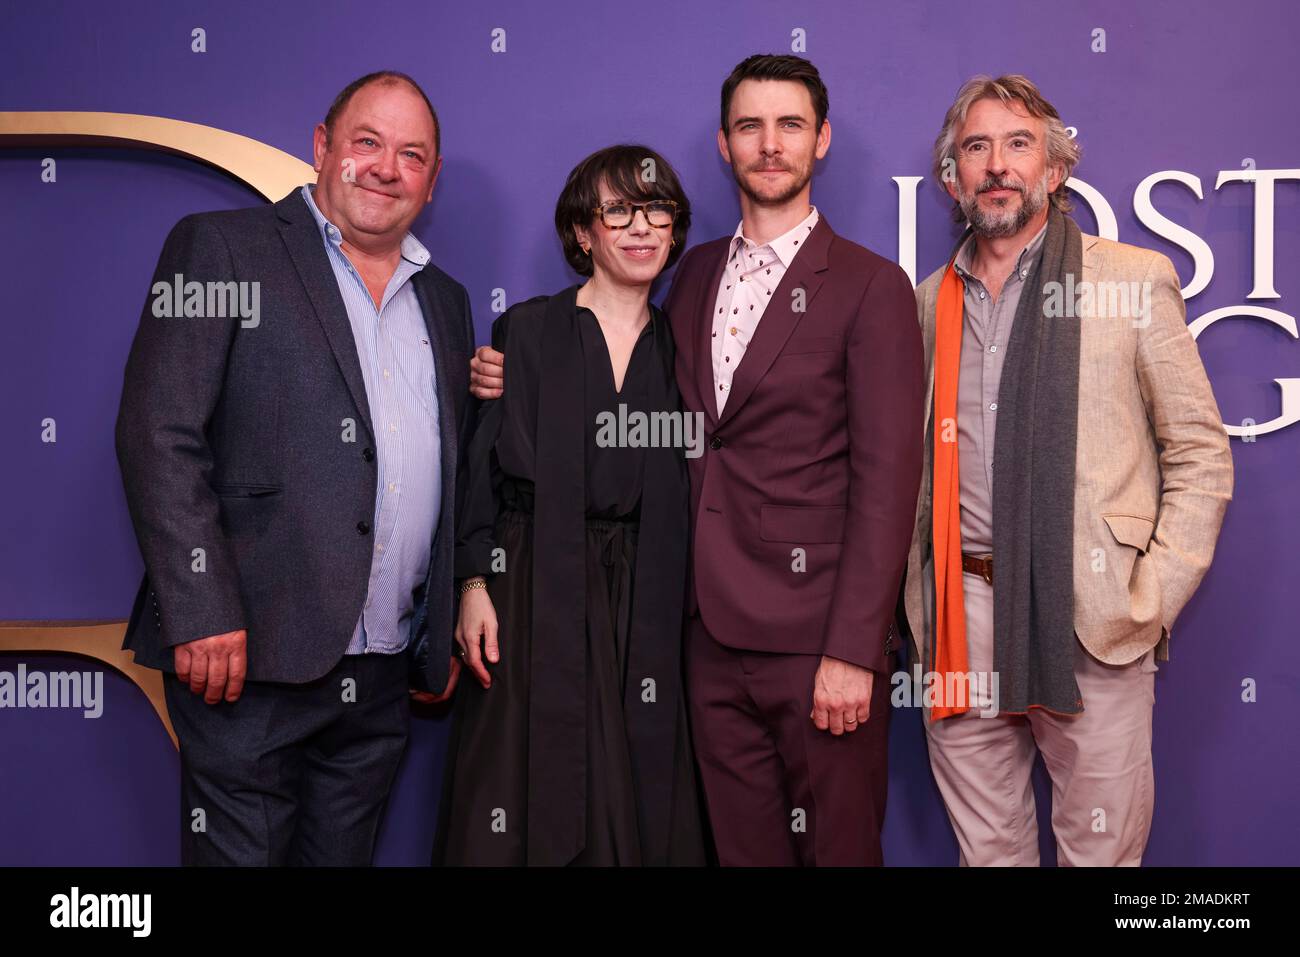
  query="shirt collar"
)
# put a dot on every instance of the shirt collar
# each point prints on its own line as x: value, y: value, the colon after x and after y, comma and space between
x: 412, y: 249
x: 784, y: 247
x: 1027, y: 255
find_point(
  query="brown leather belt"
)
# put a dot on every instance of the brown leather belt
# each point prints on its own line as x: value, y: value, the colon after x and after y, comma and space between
x: 981, y: 565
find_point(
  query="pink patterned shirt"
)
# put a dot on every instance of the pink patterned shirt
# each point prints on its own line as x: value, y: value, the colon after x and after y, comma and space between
x: 748, y: 283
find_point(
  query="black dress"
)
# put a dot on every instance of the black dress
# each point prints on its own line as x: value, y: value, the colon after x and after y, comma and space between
x: 579, y: 752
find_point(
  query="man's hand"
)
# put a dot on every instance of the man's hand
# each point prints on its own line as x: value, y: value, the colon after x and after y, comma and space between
x: 841, y: 696
x: 487, y: 373
x: 428, y: 697
x: 478, y: 623
x: 214, y: 666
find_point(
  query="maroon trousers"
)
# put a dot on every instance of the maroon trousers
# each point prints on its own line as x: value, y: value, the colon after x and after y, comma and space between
x: 779, y: 791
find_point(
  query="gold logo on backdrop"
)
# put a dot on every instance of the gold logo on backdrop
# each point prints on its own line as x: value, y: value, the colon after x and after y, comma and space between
x: 270, y: 172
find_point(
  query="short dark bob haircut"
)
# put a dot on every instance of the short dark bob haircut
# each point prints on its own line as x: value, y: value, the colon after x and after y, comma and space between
x: 632, y: 172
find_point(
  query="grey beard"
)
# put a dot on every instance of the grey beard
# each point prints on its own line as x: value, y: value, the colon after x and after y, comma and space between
x: 998, y: 226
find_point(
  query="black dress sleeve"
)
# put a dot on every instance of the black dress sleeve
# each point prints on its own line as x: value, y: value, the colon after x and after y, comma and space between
x: 478, y: 481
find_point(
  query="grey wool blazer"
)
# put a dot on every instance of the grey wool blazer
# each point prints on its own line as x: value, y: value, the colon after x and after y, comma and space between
x: 234, y: 438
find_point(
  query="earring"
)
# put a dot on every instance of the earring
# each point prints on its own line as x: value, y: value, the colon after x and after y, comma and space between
x: 586, y: 250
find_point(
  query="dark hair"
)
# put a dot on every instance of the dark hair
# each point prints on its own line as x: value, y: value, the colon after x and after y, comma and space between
x: 623, y: 168
x: 387, y: 77
x: 772, y: 66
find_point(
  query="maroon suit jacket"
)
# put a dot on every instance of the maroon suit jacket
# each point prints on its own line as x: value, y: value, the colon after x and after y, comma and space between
x: 818, y: 448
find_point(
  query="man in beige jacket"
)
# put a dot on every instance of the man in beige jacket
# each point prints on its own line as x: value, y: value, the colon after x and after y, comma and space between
x: 1058, y: 666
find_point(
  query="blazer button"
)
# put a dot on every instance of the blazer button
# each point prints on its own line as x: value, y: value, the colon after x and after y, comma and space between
x: 363, y: 528
x: 715, y: 443
x: 368, y: 454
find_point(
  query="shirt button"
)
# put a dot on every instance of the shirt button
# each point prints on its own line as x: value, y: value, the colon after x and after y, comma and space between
x: 993, y: 406
x: 1024, y: 273
x: 981, y: 295
x: 392, y: 486
x: 993, y: 348
x: 363, y: 528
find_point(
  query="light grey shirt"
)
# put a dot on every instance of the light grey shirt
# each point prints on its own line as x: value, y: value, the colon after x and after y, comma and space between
x: 986, y: 329
x: 397, y: 366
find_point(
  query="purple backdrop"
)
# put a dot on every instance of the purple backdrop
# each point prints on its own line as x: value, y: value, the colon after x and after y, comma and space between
x: 1190, y: 86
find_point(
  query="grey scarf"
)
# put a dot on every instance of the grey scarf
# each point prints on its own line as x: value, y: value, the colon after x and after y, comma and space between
x: 1033, y: 489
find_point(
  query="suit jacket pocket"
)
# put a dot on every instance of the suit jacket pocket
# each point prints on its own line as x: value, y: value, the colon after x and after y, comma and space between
x: 245, y: 489
x: 802, y: 524
x: 247, y: 508
x: 1131, y: 530
x: 1133, y: 603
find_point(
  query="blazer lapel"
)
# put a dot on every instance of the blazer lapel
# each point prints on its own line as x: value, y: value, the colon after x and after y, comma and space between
x: 780, y: 317
x: 705, y: 303
x: 433, y: 305
x: 306, y: 249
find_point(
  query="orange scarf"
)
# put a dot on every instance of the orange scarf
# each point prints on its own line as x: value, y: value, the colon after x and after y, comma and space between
x: 949, y: 653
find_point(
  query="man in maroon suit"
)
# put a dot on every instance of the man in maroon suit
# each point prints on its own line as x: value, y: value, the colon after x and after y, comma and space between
x: 802, y: 352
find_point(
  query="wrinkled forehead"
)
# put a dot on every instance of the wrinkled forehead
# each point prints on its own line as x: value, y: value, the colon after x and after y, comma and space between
x: 993, y: 118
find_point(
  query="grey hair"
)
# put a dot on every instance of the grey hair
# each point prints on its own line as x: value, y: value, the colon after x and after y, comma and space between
x: 1062, y: 151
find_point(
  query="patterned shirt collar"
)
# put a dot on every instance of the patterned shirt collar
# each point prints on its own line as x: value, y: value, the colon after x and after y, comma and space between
x: 784, y: 247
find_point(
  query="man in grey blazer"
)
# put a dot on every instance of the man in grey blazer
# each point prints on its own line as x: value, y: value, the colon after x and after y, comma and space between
x: 288, y: 439
x: 1041, y: 592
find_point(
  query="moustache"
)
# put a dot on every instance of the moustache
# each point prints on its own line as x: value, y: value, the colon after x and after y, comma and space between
x: 990, y: 184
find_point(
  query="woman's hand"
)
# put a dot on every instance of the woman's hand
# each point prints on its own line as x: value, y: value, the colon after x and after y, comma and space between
x: 477, y: 625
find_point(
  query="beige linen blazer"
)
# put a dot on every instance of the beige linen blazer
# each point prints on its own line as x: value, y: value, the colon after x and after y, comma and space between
x: 1153, y: 471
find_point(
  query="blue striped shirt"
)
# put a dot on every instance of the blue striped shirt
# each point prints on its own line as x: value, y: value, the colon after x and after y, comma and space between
x: 397, y: 365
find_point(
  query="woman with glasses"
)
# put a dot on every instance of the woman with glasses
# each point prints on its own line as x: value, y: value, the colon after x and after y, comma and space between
x: 569, y: 742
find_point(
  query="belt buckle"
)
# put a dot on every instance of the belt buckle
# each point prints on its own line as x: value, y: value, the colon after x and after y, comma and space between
x: 985, y: 563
